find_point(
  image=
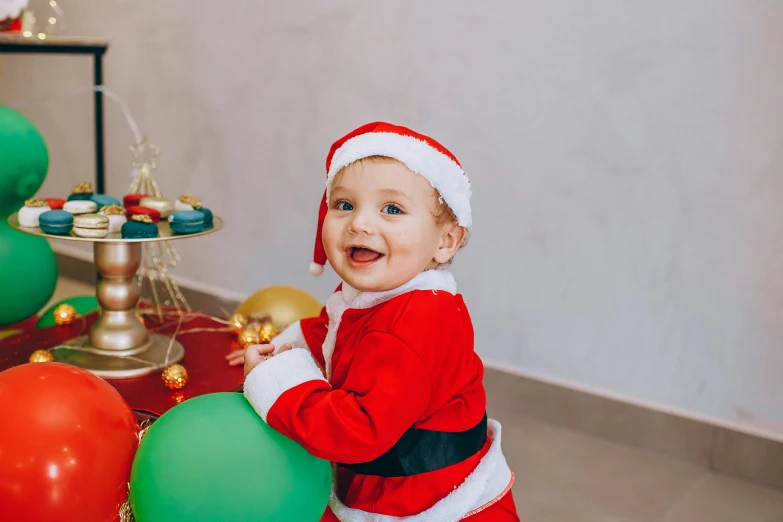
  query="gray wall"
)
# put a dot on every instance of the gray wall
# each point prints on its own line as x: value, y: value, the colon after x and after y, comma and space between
x: 625, y: 157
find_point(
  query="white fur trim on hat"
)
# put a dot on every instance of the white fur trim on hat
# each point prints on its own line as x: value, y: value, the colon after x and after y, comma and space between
x: 316, y: 269
x: 445, y: 175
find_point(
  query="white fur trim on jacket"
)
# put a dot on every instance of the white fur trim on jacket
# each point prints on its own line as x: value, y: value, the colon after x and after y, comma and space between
x: 487, y: 484
x: 292, y: 335
x: 273, y: 377
x: 348, y: 297
x: 446, y: 176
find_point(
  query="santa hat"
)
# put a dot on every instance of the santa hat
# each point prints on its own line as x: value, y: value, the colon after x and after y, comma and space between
x: 418, y: 152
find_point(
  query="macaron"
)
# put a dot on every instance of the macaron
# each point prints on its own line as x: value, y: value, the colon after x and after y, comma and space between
x: 81, y: 192
x: 140, y: 226
x: 80, y: 206
x: 135, y: 210
x: 162, y: 205
x: 133, y: 200
x: 55, y: 203
x: 187, y: 202
x: 91, y: 225
x: 58, y: 222
x: 208, y: 220
x: 29, y: 213
x: 116, y: 215
x: 186, y: 222
x: 103, y: 200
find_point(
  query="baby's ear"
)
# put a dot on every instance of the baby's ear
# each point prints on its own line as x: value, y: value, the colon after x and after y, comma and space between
x: 450, y: 241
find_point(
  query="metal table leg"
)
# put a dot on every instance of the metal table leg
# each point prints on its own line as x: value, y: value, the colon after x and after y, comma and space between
x: 100, y: 180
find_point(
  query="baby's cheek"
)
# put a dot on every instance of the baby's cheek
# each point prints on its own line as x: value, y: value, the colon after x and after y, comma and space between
x: 329, y: 234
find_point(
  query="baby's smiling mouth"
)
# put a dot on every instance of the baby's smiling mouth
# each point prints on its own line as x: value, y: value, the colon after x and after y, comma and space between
x: 360, y: 255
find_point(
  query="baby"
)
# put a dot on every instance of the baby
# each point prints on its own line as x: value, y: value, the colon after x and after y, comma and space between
x: 385, y: 382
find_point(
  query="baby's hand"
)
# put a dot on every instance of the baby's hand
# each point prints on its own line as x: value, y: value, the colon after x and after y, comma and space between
x: 236, y: 357
x: 258, y: 353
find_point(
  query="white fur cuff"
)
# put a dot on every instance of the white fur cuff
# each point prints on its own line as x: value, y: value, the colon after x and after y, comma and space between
x: 273, y: 377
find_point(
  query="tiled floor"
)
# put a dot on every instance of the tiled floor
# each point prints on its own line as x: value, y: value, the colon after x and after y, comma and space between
x: 566, y: 476
x: 563, y: 475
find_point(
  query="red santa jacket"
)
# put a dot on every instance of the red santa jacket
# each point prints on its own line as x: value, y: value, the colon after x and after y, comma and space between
x: 370, y: 367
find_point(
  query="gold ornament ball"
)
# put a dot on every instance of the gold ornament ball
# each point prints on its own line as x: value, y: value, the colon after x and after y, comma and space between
x: 267, y: 332
x: 237, y: 322
x: 248, y: 336
x: 64, y: 314
x: 41, y: 356
x: 284, y: 304
x: 175, y: 377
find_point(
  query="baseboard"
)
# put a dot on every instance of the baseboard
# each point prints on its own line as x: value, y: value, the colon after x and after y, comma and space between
x: 756, y: 457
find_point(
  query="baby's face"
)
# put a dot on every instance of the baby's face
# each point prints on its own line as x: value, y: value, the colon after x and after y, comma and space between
x: 379, y: 232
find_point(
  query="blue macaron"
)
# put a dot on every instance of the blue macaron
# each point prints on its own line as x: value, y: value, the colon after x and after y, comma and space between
x: 138, y: 230
x: 103, y: 200
x: 57, y: 222
x: 186, y: 221
x: 80, y: 197
x: 207, y: 217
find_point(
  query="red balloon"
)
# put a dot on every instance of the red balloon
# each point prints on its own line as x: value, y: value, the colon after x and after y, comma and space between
x: 67, y: 444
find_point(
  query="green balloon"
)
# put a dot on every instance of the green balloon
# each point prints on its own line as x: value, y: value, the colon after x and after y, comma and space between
x: 83, y: 304
x: 28, y: 274
x: 212, y: 458
x: 28, y: 269
x: 24, y: 161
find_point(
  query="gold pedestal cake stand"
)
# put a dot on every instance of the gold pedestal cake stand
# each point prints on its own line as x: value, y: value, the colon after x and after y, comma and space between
x: 119, y: 345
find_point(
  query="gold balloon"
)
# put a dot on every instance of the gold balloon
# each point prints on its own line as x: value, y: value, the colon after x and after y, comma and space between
x: 266, y: 332
x: 41, y: 356
x: 64, y: 314
x: 248, y: 336
x: 284, y: 304
x: 175, y: 377
x: 237, y: 322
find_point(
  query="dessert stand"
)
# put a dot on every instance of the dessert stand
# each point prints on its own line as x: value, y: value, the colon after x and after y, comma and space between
x: 119, y: 346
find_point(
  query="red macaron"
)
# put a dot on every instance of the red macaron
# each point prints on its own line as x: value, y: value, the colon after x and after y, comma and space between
x: 136, y: 210
x: 55, y: 203
x: 133, y: 200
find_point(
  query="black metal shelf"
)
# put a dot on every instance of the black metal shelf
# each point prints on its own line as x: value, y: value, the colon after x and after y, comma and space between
x: 19, y: 44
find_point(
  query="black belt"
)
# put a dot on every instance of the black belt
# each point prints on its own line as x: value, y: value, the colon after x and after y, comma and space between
x: 419, y: 451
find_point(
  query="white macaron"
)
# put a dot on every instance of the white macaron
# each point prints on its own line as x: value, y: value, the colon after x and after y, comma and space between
x: 91, y: 225
x: 33, y: 208
x: 80, y: 206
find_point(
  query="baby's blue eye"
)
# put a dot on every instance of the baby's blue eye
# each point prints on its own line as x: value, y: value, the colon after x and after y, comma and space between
x: 343, y: 205
x: 392, y: 209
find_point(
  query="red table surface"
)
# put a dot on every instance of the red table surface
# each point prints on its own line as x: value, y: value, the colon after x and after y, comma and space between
x: 204, y: 360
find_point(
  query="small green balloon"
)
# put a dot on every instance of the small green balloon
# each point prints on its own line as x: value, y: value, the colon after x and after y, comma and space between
x: 84, y: 304
x: 28, y: 274
x: 24, y: 160
x: 212, y: 458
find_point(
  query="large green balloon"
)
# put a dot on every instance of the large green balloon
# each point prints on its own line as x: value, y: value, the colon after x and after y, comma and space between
x: 28, y: 269
x: 83, y: 304
x: 212, y: 458
x: 28, y: 274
